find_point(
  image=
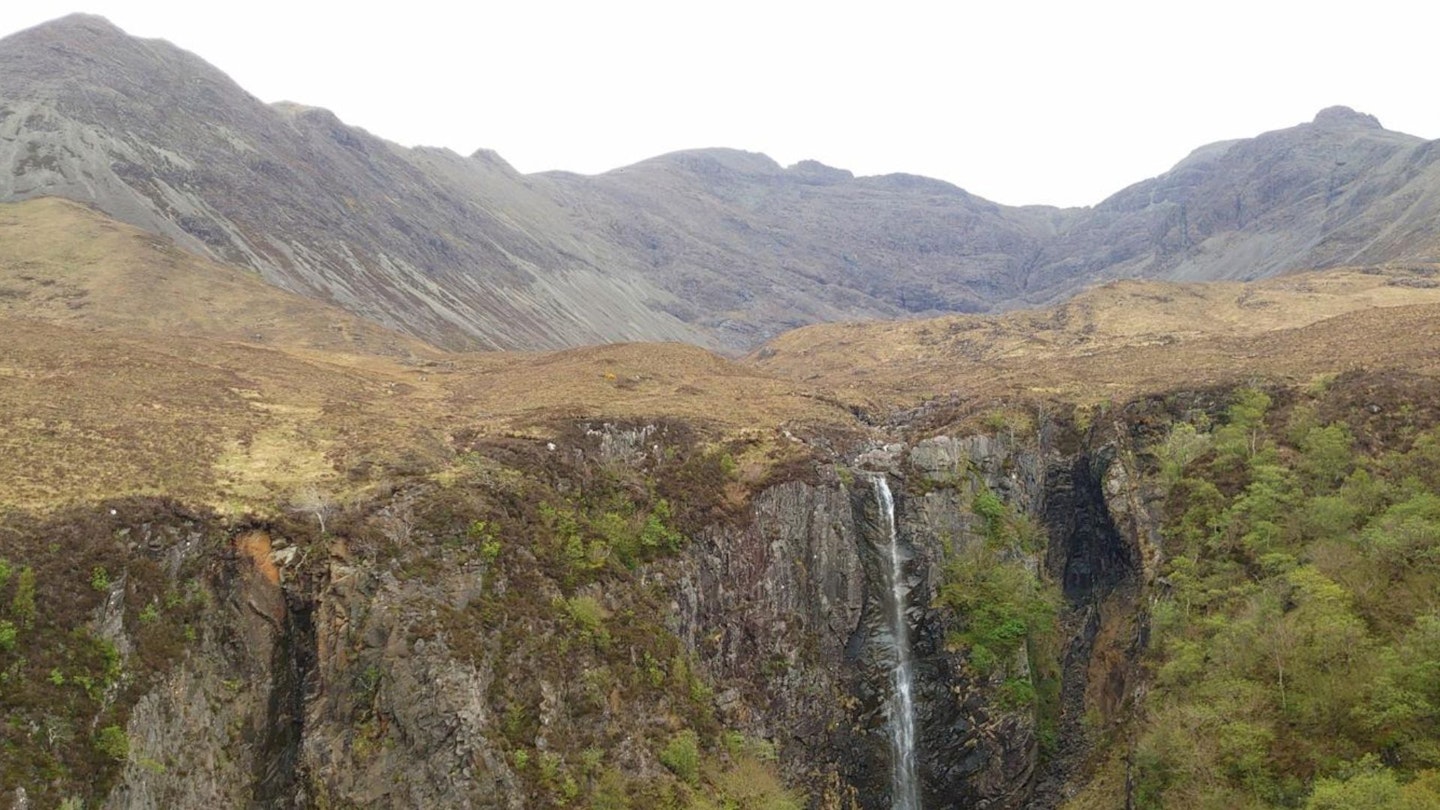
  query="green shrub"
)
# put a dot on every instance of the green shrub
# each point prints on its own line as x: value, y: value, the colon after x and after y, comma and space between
x: 682, y: 756
x: 588, y: 616
x: 1182, y: 446
x: 23, y: 605
x: 1016, y: 693
x: 484, y: 534
x: 113, y: 742
x: 1374, y: 787
x: 1000, y: 604
x: 611, y: 792
x: 1327, y: 456
x: 1297, y: 630
x: 1242, y: 435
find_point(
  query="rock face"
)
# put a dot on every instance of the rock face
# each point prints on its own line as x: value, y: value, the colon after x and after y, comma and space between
x: 1337, y: 191
x: 794, y: 597
x: 455, y: 250
x: 322, y: 670
x: 718, y: 247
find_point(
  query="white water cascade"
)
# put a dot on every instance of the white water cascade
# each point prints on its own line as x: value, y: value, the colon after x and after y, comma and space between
x: 904, y: 778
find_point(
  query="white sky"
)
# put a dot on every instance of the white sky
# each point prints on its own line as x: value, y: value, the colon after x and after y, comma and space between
x: 1017, y: 101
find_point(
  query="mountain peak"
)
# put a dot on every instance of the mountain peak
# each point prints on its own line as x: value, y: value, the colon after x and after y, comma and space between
x: 71, y: 25
x: 1340, y: 116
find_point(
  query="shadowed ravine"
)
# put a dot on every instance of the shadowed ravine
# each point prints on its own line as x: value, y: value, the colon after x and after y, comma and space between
x: 900, y: 707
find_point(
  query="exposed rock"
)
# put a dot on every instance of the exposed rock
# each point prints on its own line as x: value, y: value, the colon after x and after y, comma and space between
x: 324, y: 680
x: 717, y: 247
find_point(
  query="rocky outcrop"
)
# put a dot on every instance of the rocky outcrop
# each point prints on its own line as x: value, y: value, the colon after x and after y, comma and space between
x: 321, y: 669
x: 784, y: 612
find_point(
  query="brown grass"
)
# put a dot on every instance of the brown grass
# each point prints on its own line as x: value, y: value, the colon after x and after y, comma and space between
x: 65, y: 263
x: 129, y: 368
x: 1125, y: 339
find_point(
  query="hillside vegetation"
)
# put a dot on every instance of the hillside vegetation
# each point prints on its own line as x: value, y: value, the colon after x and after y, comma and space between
x: 216, y: 492
x: 1295, y: 647
x: 1127, y: 338
x: 130, y: 367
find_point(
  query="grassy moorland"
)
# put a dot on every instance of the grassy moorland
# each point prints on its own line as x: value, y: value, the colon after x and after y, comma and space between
x: 1128, y: 338
x: 132, y: 368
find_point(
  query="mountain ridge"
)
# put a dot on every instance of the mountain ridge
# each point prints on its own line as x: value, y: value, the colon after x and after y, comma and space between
x: 718, y: 247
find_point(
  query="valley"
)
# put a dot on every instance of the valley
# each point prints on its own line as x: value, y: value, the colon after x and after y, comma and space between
x: 339, y: 474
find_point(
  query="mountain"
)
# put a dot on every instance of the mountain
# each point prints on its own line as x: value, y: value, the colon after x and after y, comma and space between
x: 64, y: 263
x: 257, y: 551
x: 716, y: 247
x: 410, y: 239
x: 1337, y: 191
x: 245, y: 563
x: 1160, y: 543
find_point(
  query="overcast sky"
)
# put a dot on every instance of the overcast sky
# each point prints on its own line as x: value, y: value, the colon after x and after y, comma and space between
x: 1020, y: 102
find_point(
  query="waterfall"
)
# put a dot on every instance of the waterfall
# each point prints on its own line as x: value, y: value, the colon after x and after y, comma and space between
x: 900, y: 708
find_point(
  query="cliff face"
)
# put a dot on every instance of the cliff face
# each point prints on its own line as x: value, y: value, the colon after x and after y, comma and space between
x: 418, y: 652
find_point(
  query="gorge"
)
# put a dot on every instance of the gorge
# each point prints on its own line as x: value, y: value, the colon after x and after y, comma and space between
x: 337, y: 474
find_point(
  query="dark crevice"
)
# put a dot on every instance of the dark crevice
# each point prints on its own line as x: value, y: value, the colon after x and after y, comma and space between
x: 278, y: 769
x: 1087, y: 555
x: 1092, y: 561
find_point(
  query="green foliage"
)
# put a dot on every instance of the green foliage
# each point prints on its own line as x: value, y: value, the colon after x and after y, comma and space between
x: 550, y: 766
x: 1371, y: 786
x: 611, y: 792
x: 1300, y: 629
x: 22, y: 606
x: 113, y: 743
x: 1004, y: 529
x: 657, y: 535
x: 588, y: 616
x: 591, y: 534
x: 484, y: 535
x: 1182, y: 446
x: 1407, y: 534
x: 150, y: 614
x: 727, y: 465
x: 989, y: 506
x: 1242, y: 434
x: 1000, y: 603
x: 682, y: 756
x: 5, y: 572
x: 100, y: 579
x: 1326, y: 456
x: 1003, y: 606
x: 8, y: 635
x: 1016, y: 693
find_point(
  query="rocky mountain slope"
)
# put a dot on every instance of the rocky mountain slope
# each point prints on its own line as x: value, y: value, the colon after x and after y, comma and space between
x: 157, y: 137
x: 331, y: 567
x: 715, y: 247
x: 1162, y: 545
